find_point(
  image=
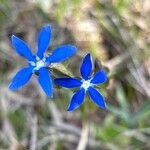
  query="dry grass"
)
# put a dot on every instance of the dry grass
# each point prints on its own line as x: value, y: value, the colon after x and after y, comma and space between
x: 115, y: 32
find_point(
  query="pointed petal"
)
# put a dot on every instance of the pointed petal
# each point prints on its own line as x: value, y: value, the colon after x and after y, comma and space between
x: 45, y: 81
x: 22, y: 48
x: 86, y: 66
x: 76, y: 100
x: 68, y: 82
x: 62, y: 53
x: 99, y: 77
x: 21, y: 78
x: 44, y: 38
x: 97, y: 98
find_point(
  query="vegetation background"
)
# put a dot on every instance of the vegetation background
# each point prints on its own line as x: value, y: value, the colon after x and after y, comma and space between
x: 117, y: 33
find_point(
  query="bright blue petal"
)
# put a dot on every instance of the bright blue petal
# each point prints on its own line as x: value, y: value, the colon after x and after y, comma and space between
x: 61, y: 53
x: 45, y: 81
x: 22, y: 48
x: 44, y: 38
x: 68, y: 82
x: 99, y: 77
x: 76, y: 100
x: 21, y: 78
x: 97, y: 98
x: 86, y: 67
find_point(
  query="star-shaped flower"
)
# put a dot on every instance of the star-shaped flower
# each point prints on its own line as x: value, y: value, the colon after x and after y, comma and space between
x: 39, y: 62
x: 86, y: 85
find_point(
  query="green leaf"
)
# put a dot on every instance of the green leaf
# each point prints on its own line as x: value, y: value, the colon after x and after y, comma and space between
x: 18, y: 120
x: 143, y: 112
x: 60, y: 69
x: 121, y: 6
x: 119, y: 113
x: 109, y: 130
x: 122, y: 98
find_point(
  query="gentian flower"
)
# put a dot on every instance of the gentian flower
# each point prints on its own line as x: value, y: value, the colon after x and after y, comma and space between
x: 39, y: 62
x: 86, y: 85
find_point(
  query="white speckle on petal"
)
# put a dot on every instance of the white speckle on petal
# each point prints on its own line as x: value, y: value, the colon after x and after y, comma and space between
x: 32, y: 63
x: 37, y: 58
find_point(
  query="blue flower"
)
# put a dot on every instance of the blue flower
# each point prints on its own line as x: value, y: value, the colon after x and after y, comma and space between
x: 39, y: 62
x: 86, y: 85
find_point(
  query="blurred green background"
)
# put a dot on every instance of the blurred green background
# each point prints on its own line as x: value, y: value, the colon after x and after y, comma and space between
x: 117, y: 33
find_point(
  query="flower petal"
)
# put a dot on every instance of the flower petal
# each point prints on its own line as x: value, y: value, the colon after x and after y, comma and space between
x: 61, y: 53
x: 76, y: 100
x: 68, y: 82
x: 22, y: 48
x: 97, y: 98
x: 21, y: 78
x: 99, y: 77
x: 86, y: 66
x: 45, y: 81
x: 44, y: 38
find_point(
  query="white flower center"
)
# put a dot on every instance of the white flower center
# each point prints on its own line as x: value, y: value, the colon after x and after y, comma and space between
x: 40, y: 64
x: 86, y: 84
